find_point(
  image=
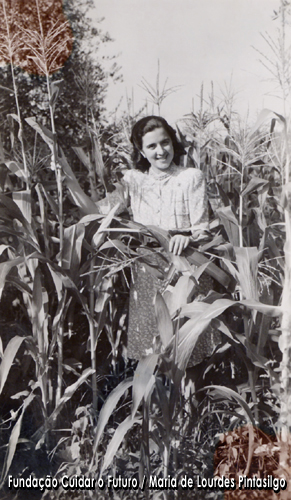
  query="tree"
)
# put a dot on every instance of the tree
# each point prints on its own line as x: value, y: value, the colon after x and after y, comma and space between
x: 84, y: 81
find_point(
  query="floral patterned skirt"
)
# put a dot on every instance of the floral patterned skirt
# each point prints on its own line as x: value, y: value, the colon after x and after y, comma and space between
x: 142, y: 323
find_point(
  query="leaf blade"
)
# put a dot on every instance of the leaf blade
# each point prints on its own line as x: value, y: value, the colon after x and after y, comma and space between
x: 8, y: 358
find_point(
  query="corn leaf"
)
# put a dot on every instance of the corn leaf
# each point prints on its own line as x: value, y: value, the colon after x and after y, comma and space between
x: 98, y: 160
x: 217, y: 323
x: 193, y: 309
x: 39, y: 317
x: 264, y: 115
x: 215, y: 241
x: 230, y: 223
x: 83, y: 157
x: 141, y: 380
x: 178, y: 296
x: 99, y: 236
x: 44, y: 132
x: 64, y: 277
x: 116, y: 440
x: 80, y: 198
x: 70, y: 390
x: 107, y: 410
x: 58, y: 282
x: 23, y: 201
x: 73, y: 238
x: 14, y: 117
x: 198, y: 259
x: 188, y: 336
x: 15, y: 213
x: 231, y: 394
x: 267, y: 309
x: 49, y: 199
x: 5, y: 268
x: 161, y: 235
x: 163, y: 318
x: 164, y: 404
x: 55, y: 88
x: 44, y: 218
x: 181, y: 263
x: 231, y: 268
x: 61, y: 311
x: 119, y: 245
x: 190, y: 331
x: 8, y: 358
x: 255, y: 184
x: 14, y: 437
x: 16, y: 169
x: 247, y: 259
x: 90, y: 218
x: 104, y: 295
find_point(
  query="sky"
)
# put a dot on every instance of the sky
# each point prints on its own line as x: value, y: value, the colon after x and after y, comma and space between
x: 195, y: 42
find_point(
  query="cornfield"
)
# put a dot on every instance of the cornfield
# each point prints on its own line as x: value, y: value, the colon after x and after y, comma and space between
x: 78, y: 419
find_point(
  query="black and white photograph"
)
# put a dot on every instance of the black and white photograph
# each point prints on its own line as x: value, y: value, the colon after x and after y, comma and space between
x: 145, y: 249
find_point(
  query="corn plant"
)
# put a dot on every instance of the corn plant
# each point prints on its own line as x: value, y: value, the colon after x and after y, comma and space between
x: 157, y: 94
x: 237, y: 161
x: 9, y: 51
x: 284, y: 424
x: 200, y: 128
x: 278, y: 65
x: 30, y: 258
x: 181, y: 321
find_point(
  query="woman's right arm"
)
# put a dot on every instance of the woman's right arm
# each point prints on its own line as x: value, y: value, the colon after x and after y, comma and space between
x: 120, y: 196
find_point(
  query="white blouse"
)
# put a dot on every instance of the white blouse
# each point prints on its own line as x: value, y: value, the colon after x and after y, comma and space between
x: 174, y: 199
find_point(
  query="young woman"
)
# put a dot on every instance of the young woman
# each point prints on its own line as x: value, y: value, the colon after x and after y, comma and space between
x: 163, y: 194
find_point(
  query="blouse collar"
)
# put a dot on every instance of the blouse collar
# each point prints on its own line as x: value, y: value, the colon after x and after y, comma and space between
x: 163, y: 174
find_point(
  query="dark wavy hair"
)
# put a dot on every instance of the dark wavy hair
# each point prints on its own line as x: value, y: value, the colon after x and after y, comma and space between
x: 142, y: 127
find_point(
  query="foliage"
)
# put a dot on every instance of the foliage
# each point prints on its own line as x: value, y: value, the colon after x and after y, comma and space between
x: 65, y: 273
x: 74, y: 66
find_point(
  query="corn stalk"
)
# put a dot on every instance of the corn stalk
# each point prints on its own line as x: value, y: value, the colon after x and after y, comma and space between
x: 285, y: 339
x: 45, y: 47
x: 8, y: 48
x: 157, y: 94
x: 93, y: 335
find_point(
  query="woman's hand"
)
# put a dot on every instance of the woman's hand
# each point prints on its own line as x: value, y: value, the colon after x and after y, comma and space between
x: 178, y: 243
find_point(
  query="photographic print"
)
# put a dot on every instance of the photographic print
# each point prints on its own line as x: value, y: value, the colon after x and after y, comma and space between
x: 145, y: 249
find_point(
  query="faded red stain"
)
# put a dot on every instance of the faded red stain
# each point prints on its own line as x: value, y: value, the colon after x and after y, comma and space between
x: 34, y: 35
x: 231, y: 458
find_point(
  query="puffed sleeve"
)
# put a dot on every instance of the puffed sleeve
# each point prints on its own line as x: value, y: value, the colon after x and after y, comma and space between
x: 198, y: 206
x: 120, y: 196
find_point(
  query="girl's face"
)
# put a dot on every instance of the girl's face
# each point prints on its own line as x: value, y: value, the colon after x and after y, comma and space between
x: 158, y: 149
